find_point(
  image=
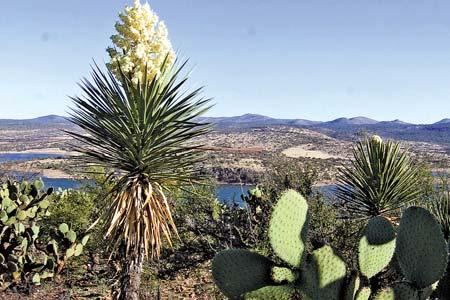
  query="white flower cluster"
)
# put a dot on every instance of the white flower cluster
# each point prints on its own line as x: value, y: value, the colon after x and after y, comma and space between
x: 141, y: 41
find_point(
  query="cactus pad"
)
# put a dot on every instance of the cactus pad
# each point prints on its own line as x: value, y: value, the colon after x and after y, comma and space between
x: 324, y: 274
x: 376, y: 247
x: 363, y: 294
x: 279, y: 292
x: 399, y: 291
x: 288, y: 227
x: 280, y: 274
x: 421, y: 249
x: 237, y: 272
x: 63, y: 228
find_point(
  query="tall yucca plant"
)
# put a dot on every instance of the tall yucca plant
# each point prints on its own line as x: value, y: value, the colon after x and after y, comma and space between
x: 144, y: 134
x: 380, y: 179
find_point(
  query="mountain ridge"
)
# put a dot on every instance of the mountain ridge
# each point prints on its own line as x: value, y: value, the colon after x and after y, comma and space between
x: 340, y: 128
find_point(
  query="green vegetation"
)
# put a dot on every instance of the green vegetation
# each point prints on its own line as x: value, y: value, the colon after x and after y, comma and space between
x: 380, y: 180
x: 420, y: 249
x: 27, y: 254
x: 152, y: 222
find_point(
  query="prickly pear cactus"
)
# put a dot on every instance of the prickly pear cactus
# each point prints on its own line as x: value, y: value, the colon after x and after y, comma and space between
x: 277, y: 292
x: 421, y: 249
x: 363, y: 294
x: 25, y: 257
x: 399, y: 291
x: 324, y: 275
x: 376, y: 247
x: 288, y: 227
x: 280, y: 274
x: 237, y: 272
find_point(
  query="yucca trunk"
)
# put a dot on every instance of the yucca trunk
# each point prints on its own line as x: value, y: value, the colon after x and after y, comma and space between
x: 130, y: 279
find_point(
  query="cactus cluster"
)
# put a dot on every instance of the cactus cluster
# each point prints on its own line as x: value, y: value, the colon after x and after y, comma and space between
x: 418, y: 245
x: 27, y: 255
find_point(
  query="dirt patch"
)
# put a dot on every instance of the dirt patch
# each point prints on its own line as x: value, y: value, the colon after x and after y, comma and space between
x: 303, y: 151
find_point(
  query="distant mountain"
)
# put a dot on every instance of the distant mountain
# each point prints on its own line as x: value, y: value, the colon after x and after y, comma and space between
x: 341, y: 128
x: 345, y: 128
x: 51, y: 120
x: 253, y: 120
x: 351, y: 121
x: 443, y: 121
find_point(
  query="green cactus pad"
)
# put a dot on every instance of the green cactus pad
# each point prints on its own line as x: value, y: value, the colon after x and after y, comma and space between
x: 70, y: 252
x: 21, y: 215
x: 280, y: 274
x: 78, y: 250
x: 39, y: 184
x: 376, y: 247
x: 237, y: 272
x: 36, y: 280
x: 288, y: 227
x: 324, y: 275
x: 35, y: 229
x: 352, y: 286
x: 363, y: 294
x: 421, y: 249
x: 6, y: 202
x: 24, y: 199
x: 11, y: 221
x: 3, y: 216
x: 399, y: 291
x: 44, y: 204
x: 85, y: 239
x: 279, y: 292
x: 63, y: 228
x: 71, y: 236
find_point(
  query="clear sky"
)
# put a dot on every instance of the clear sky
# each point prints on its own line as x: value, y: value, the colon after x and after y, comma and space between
x: 311, y: 59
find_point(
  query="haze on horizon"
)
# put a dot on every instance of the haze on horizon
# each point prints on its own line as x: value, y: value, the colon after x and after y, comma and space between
x: 316, y: 60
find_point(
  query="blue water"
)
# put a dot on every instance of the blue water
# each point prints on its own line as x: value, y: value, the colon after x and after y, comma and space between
x: 228, y: 193
x: 231, y: 193
x: 4, y: 157
x: 65, y: 183
x: 225, y: 193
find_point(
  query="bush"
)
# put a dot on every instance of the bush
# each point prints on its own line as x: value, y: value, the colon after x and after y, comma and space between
x: 28, y: 256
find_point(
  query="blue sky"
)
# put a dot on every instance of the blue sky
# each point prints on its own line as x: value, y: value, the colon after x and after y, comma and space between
x: 311, y: 59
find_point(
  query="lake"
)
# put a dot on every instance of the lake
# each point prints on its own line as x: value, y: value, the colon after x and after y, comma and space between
x: 4, y: 157
x: 226, y: 193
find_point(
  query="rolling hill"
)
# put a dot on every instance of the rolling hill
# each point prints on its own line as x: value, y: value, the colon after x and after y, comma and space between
x: 341, y: 128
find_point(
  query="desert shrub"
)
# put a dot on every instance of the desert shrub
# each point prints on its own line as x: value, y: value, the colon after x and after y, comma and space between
x: 27, y: 255
x: 288, y: 173
x: 205, y: 226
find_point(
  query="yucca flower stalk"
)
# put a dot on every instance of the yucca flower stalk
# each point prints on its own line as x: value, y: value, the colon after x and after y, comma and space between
x: 144, y: 133
x: 380, y: 180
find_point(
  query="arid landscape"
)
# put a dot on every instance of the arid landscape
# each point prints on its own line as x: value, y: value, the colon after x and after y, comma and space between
x: 236, y: 154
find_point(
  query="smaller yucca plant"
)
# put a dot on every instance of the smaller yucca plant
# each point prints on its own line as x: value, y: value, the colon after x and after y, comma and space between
x: 381, y: 179
x: 439, y: 205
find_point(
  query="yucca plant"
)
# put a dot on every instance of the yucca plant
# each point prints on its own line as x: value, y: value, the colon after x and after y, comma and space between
x: 144, y: 134
x: 439, y: 205
x: 380, y: 179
